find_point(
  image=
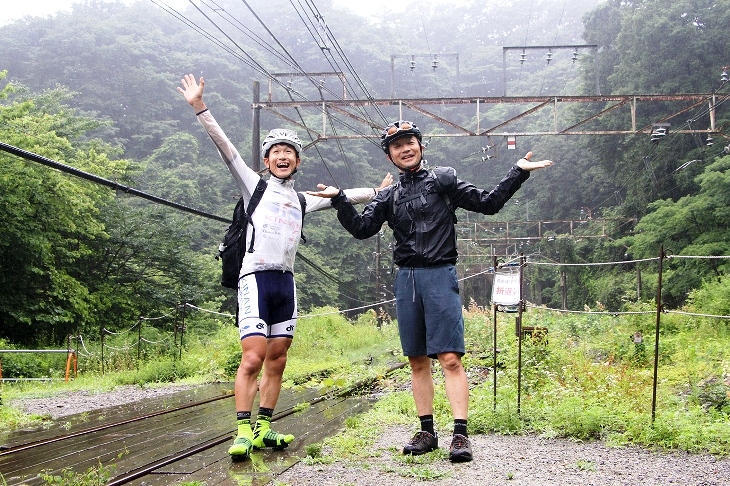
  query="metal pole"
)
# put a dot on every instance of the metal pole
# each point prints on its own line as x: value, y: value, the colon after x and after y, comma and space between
x: 256, y: 128
x: 139, y: 339
x: 494, y: 337
x: 174, y: 324
x: 662, y: 255
x: 182, y: 327
x: 102, y: 350
x: 377, y: 272
x: 518, y: 321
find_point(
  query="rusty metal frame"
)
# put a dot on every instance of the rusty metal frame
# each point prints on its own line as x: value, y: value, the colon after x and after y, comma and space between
x: 537, y: 103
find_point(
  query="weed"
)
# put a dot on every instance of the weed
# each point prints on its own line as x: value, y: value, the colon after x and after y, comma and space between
x: 93, y: 476
x: 313, y: 450
x: 584, y: 465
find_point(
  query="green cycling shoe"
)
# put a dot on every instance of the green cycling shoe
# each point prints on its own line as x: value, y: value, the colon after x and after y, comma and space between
x: 264, y: 437
x: 243, y: 443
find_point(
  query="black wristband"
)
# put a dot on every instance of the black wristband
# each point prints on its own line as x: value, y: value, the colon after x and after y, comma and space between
x: 201, y: 112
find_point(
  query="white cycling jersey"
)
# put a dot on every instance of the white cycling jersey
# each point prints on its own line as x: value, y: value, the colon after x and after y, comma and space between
x: 277, y: 220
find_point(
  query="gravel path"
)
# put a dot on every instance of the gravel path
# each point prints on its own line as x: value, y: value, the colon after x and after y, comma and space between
x: 498, y: 459
x: 519, y: 460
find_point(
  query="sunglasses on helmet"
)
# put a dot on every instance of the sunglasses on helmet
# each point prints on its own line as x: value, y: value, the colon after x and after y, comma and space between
x: 393, y: 128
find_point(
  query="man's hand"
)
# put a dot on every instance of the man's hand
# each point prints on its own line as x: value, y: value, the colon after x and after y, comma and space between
x: 525, y: 164
x: 193, y: 92
x: 387, y: 180
x: 325, y: 191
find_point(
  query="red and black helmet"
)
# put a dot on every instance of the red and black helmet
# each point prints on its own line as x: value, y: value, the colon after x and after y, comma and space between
x: 399, y: 129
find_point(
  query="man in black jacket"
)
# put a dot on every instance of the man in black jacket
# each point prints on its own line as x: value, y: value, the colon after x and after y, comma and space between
x: 419, y: 209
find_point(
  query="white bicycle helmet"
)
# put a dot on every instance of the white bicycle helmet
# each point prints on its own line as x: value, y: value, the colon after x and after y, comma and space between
x: 281, y: 135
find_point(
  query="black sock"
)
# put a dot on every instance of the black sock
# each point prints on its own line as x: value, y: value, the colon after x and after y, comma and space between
x: 427, y: 424
x: 243, y: 417
x: 266, y: 412
x: 460, y: 427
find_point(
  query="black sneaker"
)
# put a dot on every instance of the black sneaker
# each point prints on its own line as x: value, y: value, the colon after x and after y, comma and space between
x: 421, y: 443
x: 460, y: 450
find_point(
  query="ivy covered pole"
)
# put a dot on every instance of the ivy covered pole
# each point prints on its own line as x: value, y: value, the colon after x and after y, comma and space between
x: 662, y: 255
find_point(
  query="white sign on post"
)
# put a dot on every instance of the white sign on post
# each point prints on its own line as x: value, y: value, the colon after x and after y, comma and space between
x: 506, y: 289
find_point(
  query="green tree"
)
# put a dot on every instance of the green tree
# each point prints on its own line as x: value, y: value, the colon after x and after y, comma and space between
x: 48, y: 223
x: 693, y: 225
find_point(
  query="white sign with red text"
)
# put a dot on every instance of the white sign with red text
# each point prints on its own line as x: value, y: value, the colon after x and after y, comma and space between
x: 506, y: 289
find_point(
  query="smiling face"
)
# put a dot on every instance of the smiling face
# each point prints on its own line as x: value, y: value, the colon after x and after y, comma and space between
x: 405, y: 152
x: 282, y: 160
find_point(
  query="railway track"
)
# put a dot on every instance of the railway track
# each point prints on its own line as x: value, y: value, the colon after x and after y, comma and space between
x: 168, y: 442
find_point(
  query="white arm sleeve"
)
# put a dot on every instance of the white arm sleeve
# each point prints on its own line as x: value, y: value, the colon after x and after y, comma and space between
x: 358, y: 195
x: 246, y: 178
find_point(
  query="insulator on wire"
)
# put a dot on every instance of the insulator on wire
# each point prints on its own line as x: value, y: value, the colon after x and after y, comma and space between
x: 658, y: 133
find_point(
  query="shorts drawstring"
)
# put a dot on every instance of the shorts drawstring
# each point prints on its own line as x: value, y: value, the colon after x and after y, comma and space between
x: 413, y: 284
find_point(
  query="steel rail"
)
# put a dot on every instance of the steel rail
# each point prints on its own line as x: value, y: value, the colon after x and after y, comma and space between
x: 142, y: 471
x: 91, y: 430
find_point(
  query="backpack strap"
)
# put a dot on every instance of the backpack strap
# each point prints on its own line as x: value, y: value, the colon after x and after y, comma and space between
x: 303, y: 204
x: 252, y: 203
x: 445, y: 178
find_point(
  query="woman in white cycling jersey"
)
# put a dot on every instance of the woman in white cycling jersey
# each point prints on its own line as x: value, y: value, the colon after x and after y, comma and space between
x: 267, y: 305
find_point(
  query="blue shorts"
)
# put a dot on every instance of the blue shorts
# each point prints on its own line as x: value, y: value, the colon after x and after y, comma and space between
x: 267, y: 304
x: 428, y: 306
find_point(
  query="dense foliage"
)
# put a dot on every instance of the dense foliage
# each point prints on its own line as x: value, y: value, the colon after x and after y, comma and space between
x: 95, y: 89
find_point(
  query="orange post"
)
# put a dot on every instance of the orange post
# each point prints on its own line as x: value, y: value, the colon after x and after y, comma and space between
x: 71, y: 357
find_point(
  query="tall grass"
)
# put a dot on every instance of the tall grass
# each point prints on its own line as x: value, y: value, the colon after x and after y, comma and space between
x: 588, y: 380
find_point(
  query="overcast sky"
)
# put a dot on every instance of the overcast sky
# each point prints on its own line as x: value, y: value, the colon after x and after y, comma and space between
x: 15, y: 9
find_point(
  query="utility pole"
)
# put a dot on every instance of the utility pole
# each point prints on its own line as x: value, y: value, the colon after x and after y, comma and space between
x: 256, y: 128
x: 377, y: 267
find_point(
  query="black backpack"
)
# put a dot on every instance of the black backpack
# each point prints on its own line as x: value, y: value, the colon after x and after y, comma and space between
x: 233, y: 248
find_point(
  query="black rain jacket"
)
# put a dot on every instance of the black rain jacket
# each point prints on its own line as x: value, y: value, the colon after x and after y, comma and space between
x: 420, y: 215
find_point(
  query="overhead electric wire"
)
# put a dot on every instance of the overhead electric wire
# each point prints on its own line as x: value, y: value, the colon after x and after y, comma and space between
x: 343, y: 56
x: 201, y: 31
x: 102, y: 181
x: 33, y: 157
x: 350, y: 68
x: 248, y: 32
x: 265, y: 72
x: 255, y: 65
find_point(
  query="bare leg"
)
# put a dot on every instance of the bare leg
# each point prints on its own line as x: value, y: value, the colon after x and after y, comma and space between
x: 456, y: 384
x: 274, y: 365
x: 422, y: 384
x: 253, y: 353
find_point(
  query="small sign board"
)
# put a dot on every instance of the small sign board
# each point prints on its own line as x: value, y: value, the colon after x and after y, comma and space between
x: 506, y: 289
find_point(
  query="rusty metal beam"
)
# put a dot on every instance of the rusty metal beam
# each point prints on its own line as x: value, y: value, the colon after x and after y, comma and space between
x: 345, y: 108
